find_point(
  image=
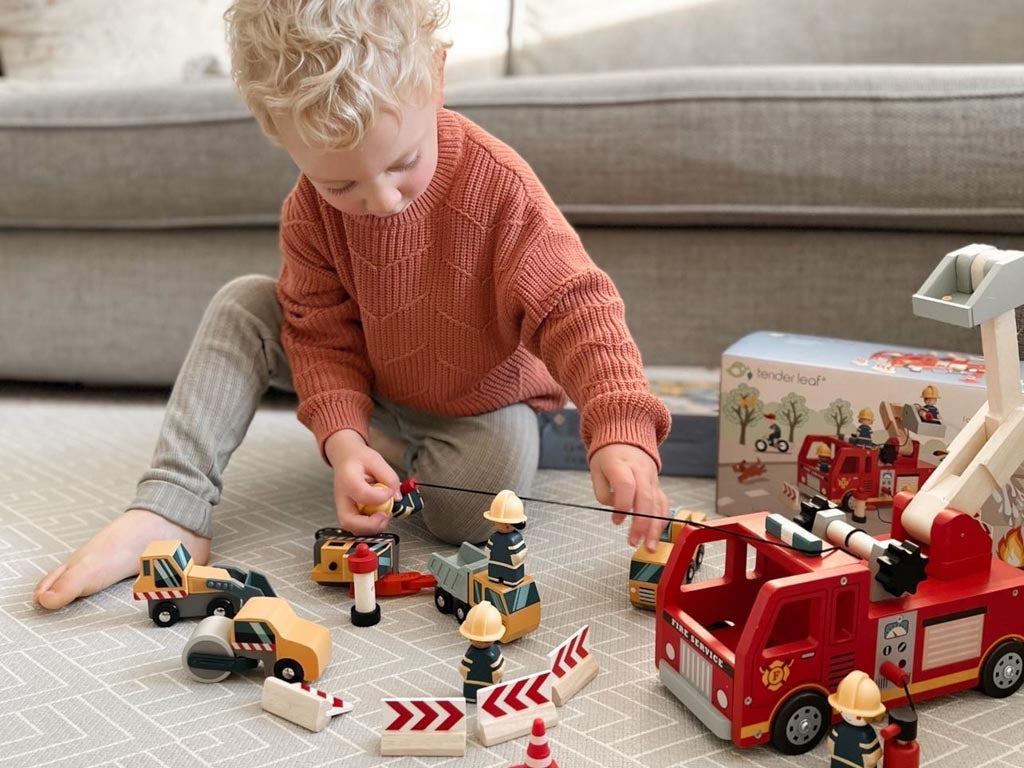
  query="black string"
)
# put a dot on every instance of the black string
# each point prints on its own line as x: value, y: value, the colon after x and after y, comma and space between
x: 693, y: 523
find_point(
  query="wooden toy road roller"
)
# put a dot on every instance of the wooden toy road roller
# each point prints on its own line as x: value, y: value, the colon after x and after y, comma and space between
x: 265, y: 631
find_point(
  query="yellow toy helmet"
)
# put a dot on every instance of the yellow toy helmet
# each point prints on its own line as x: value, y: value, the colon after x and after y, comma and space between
x: 824, y: 452
x: 506, y: 508
x: 482, y: 624
x: 858, y: 695
x: 372, y: 509
x: 866, y: 414
x: 930, y: 391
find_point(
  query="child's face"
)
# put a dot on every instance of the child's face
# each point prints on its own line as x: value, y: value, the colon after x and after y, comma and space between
x: 387, y: 171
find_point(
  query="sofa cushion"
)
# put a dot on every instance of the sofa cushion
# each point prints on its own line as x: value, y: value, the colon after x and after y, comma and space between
x: 903, y: 147
x: 572, y: 36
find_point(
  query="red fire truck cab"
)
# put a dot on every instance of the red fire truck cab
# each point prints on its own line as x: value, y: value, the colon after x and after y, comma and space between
x: 857, y: 472
x: 754, y: 653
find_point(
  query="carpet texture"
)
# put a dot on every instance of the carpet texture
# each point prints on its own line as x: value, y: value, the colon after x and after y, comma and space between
x: 98, y: 684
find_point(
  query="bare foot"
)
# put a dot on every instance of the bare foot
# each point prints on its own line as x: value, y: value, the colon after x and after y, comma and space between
x: 111, y: 555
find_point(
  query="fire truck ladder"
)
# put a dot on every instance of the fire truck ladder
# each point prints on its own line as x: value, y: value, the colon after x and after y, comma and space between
x: 975, y: 286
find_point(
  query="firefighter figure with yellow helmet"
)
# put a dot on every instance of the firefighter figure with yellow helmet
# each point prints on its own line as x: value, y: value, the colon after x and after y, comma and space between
x: 483, y: 664
x: 853, y: 741
x: 865, y: 420
x: 929, y: 411
x: 506, y: 549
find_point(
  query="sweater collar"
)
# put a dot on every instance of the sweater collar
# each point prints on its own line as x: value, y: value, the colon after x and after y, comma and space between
x: 450, y: 139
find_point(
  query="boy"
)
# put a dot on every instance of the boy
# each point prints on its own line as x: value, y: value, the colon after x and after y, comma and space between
x: 429, y: 290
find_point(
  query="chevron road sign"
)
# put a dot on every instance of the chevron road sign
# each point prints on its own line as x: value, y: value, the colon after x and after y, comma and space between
x: 301, y: 704
x: 430, y: 727
x: 572, y: 666
x: 507, y: 710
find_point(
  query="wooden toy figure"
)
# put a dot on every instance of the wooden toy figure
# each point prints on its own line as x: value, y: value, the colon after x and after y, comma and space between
x: 506, y: 549
x: 410, y: 502
x: 853, y: 741
x: 929, y: 411
x: 824, y: 458
x: 863, y: 435
x: 483, y: 665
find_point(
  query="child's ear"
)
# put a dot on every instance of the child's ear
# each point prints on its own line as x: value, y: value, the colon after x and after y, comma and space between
x: 439, y: 96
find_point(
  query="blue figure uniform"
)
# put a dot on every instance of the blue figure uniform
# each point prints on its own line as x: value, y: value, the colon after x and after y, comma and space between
x: 933, y: 414
x: 851, y: 744
x: 824, y: 465
x: 863, y: 436
x: 484, y: 665
x: 504, y: 550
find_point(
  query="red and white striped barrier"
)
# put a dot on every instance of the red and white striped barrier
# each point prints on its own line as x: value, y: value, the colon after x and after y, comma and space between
x: 299, y: 703
x: 507, y: 710
x: 253, y: 646
x: 791, y: 496
x: 162, y: 594
x: 538, y: 753
x: 430, y: 727
x: 572, y: 667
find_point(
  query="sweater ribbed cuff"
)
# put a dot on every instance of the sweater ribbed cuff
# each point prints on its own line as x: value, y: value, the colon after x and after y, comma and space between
x: 326, y: 414
x: 630, y: 418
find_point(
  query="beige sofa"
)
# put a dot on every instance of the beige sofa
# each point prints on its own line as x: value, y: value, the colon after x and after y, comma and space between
x: 738, y: 165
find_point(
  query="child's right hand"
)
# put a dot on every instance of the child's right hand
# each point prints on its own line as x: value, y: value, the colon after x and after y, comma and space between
x: 356, y: 468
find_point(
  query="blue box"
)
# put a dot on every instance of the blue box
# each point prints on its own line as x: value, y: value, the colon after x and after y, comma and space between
x: 690, y: 448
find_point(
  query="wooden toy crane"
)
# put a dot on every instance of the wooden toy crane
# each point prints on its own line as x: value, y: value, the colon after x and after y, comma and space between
x: 975, y: 286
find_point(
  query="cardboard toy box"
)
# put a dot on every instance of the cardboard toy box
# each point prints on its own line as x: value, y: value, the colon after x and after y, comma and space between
x: 814, y: 389
x: 691, y: 395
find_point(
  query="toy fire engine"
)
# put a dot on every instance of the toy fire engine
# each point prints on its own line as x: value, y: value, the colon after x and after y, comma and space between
x: 755, y: 653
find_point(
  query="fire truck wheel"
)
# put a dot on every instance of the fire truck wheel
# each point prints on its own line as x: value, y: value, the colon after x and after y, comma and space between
x: 846, y: 503
x: 210, y: 636
x: 1003, y: 671
x: 220, y: 606
x: 288, y: 670
x: 165, y: 614
x: 801, y: 723
x: 461, y: 611
x: 442, y: 600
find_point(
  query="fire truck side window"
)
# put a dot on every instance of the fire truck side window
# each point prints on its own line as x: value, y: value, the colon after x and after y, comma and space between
x: 850, y: 466
x: 796, y: 622
x: 164, y: 575
x: 843, y: 615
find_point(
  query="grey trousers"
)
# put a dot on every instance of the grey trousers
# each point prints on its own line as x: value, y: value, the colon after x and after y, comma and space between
x: 236, y: 356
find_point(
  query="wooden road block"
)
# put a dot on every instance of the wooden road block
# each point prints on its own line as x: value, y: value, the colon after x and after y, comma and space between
x: 507, y: 710
x: 299, y: 703
x: 572, y: 667
x: 428, y: 727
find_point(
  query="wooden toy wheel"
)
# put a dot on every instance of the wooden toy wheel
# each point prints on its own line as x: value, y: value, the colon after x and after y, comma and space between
x: 442, y: 600
x: 801, y: 723
x: 289, y: 670
x: 220, y: 606
x: 209, y: 637
x: 165, y: 614
x: 461, y: 611
x: 1003, y: 671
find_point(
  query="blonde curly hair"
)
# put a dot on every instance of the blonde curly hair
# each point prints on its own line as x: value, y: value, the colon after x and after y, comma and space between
x: 332, y: 65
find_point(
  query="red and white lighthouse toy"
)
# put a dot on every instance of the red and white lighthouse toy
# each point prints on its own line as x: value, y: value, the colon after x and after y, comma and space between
x: 363, y: 565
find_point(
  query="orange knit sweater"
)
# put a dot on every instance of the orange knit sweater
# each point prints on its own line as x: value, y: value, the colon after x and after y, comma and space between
x: 476, y: 296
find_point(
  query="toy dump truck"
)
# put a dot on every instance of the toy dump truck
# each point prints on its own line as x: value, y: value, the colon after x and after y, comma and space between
x: 462, y: 583
x: 646, y: 568
x: 175, y: 587
x: 265, y: 631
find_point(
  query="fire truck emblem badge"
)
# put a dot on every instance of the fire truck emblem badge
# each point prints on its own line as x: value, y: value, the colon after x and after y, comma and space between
x: 776, y: 674
x: 843, y: 482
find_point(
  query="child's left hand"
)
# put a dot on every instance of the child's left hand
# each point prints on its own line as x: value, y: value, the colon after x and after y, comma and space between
x: 626, y: 478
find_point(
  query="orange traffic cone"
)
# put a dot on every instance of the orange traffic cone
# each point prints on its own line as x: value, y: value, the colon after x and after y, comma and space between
x: 538, y: 754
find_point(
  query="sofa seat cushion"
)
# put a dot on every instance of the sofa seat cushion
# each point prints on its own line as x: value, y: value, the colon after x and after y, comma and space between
x: 933, y: 148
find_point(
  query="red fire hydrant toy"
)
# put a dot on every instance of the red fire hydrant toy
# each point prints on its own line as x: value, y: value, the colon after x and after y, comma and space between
x: 363, y: 565
x: 901, y: 749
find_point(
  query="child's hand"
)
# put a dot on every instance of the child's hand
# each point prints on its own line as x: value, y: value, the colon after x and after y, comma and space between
x: 356, y: 468
x: 626, y: 478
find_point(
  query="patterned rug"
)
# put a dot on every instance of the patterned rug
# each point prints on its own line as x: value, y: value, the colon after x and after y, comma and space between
x: 97, y: 684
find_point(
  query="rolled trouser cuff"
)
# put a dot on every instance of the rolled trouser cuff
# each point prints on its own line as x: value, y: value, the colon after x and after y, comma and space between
x: 175, y: 504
